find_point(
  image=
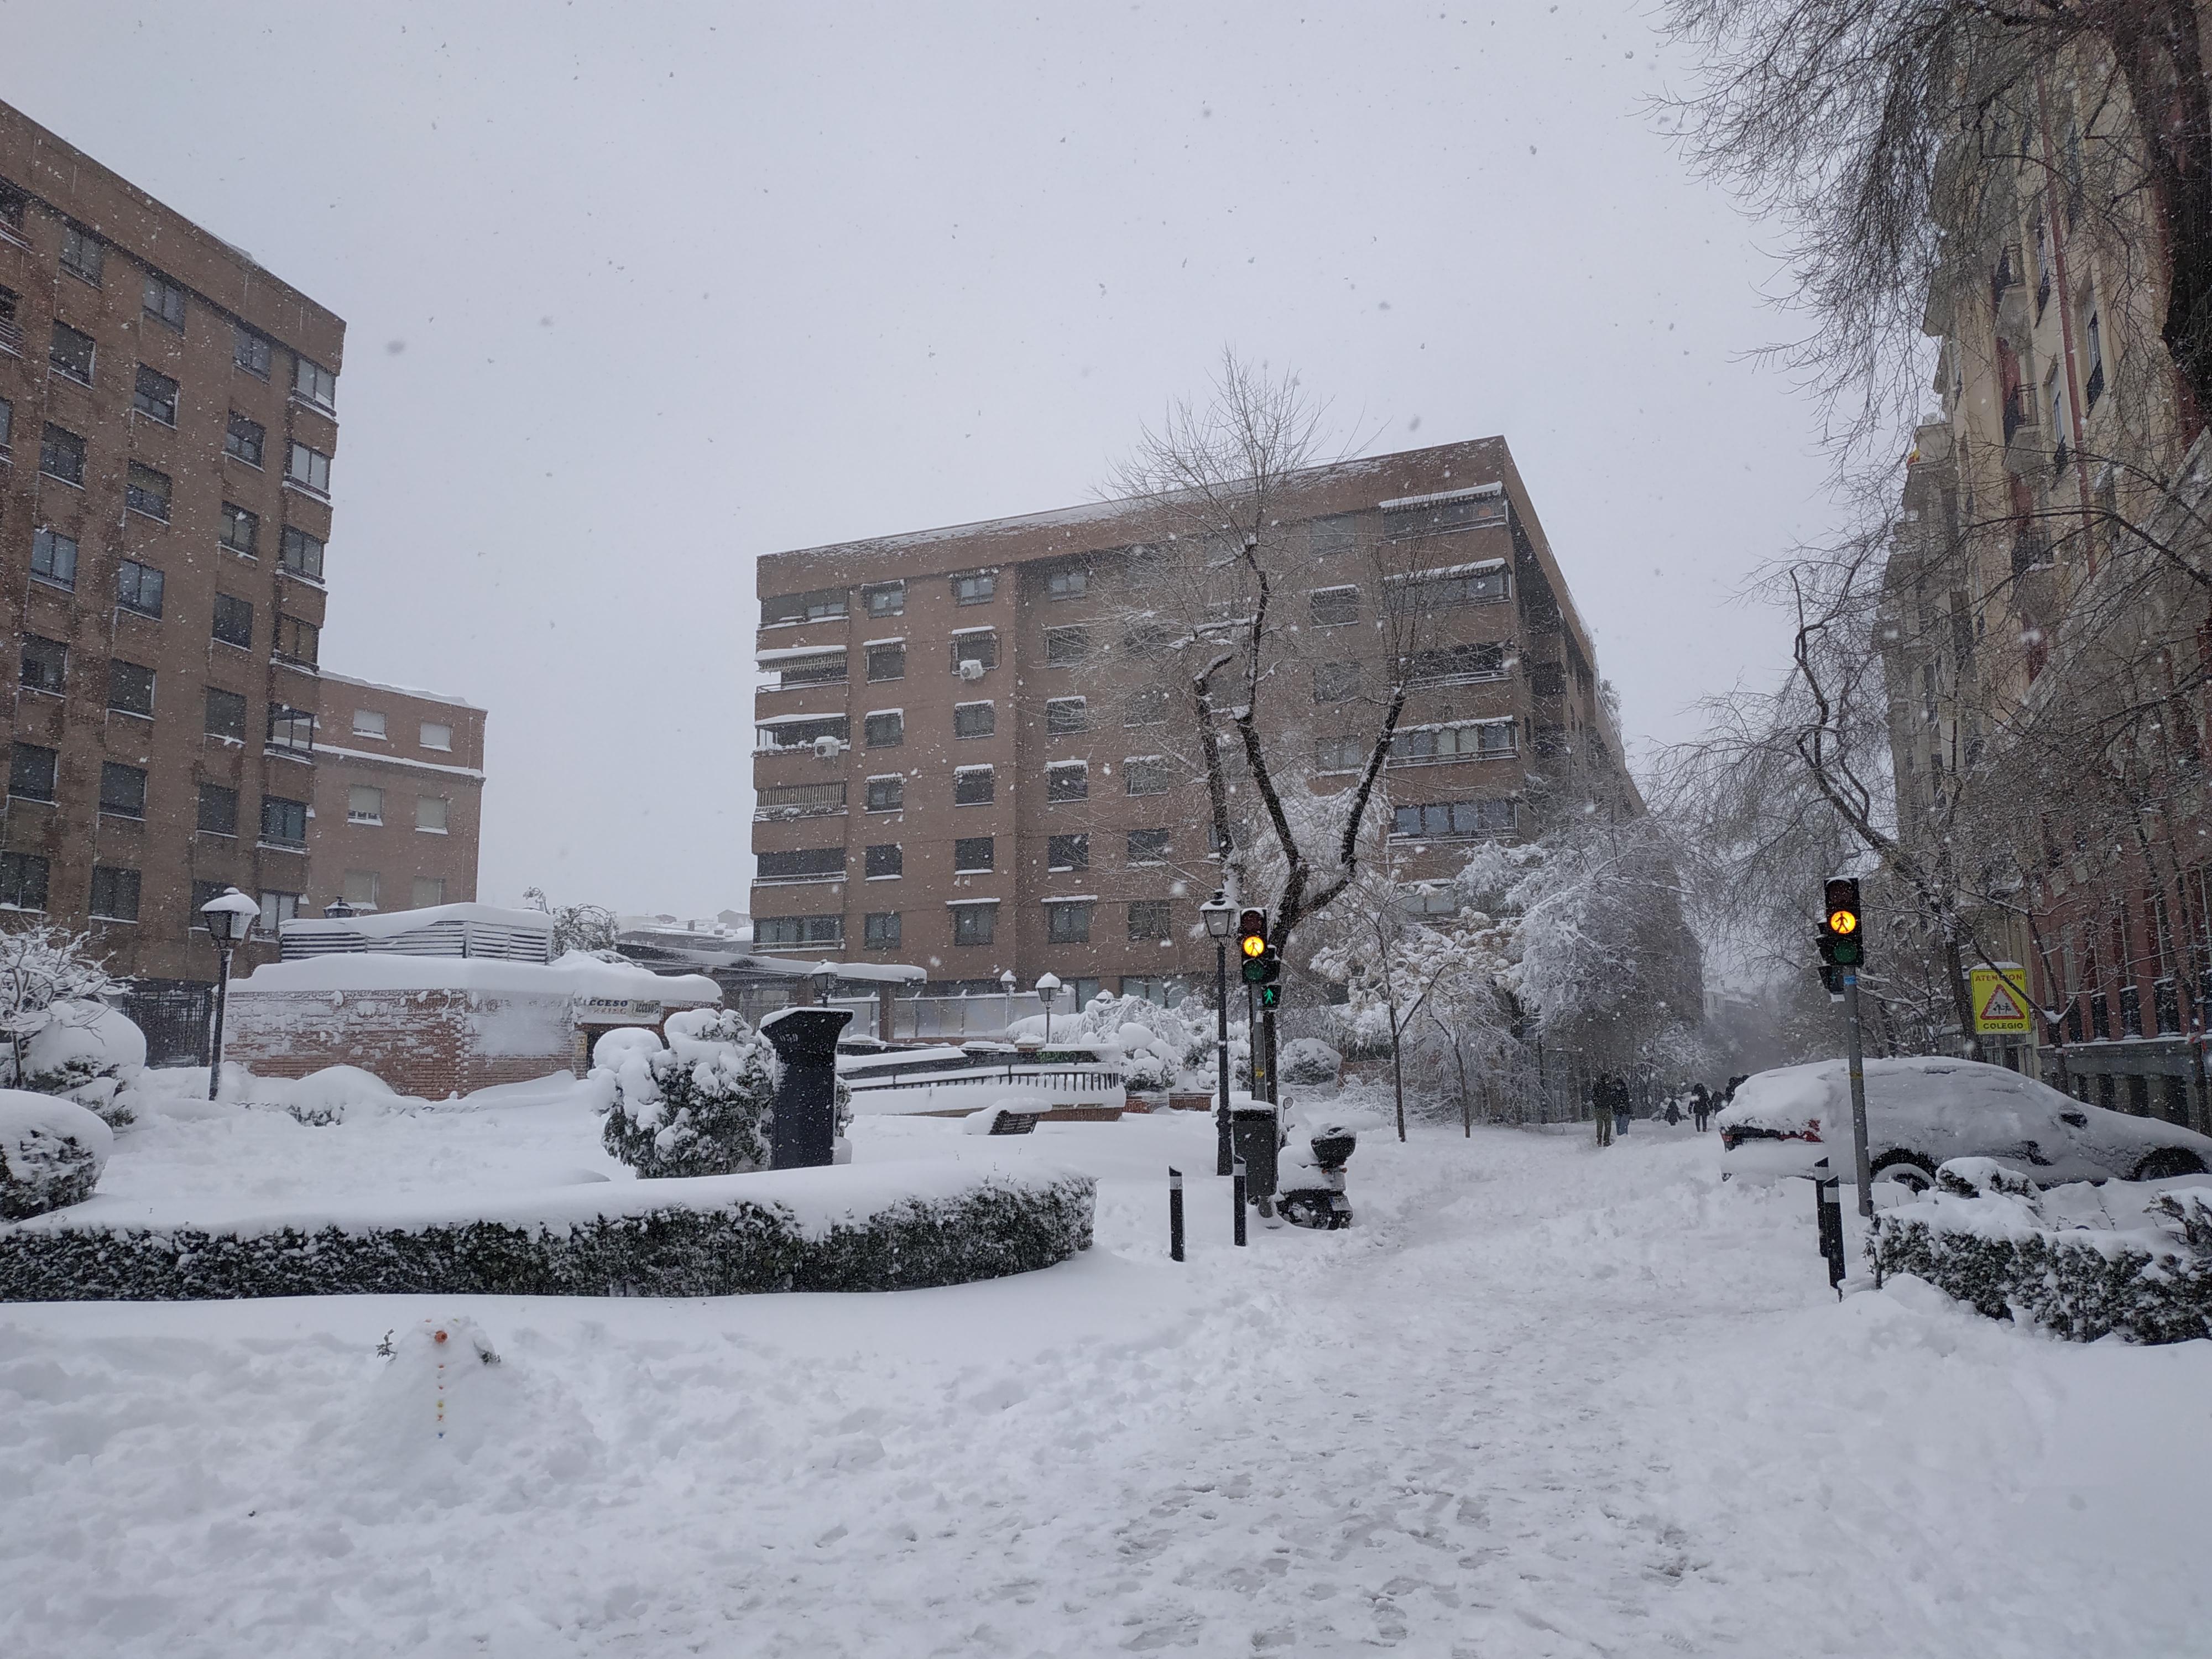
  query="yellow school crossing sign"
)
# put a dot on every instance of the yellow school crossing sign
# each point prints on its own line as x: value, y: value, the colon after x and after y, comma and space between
x: 2001, y: 1004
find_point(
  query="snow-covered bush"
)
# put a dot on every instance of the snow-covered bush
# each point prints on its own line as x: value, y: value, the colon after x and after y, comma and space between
x: 1310, y: 1062
x: 52, y: 1152
x: 703, y: 1105
x: 1156, y: 1044
x: 89, y: 1053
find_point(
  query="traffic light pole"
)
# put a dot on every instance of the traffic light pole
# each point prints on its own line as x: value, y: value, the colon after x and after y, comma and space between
x: 1865, y: 1174
x: 1253, y: 1040
x: 1268, y: 1017
x: 1222, y: 1154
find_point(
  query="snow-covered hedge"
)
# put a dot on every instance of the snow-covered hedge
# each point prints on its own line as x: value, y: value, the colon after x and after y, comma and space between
x: 702, y: 1106
x: 2080, y: 1261
x: 894, y: 1227
x: 1309, y: 1061
x: 86, y: 1051
x: 52, y: 1152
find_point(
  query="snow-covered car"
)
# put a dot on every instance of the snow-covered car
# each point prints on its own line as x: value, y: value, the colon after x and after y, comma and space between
x: 1923, y: 1110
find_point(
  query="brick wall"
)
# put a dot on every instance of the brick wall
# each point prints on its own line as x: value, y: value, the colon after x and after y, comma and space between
x: 427, y: 1043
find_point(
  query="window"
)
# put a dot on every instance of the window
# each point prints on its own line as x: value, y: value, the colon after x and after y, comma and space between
x: 971, y: 854
x: 886, y: 794
x: 797, y: 930
x: 203, y: 891
x: 291, y: 731
x: 1457, y: 663
x: 299, y: 641
x: 82, y: 255
x: 226, y: 715
x: 430, y: 890
x: 801, y: 864
x: 1332, y: 536
x: 1147, y: 706
x: 1070, y: 581
x: 2095, y: 389
x: 233, y: 620
x: 1148, y: 921
x: 53, y: 558
x: 430, y: 817
x: 6, y: 423
x: 250, y: 352
x: 61, y: 455
x: 72, y: 353
x: 436, y: 734
x: 880, y: 931
x: 310, y: 467
x: 358, y: 889
x: 302, y: 554
x: 146, y: 491
x: 883, y: 860
x: 1065, y: 716
x: 12, y: 202
x: 284, y: 821
x: 886, y: 662
x: 22, y: 881
x: 981, y: 648
x: 885, y: 599
x: 368, y: 723
x: 977, y: 587
x: 114, y: 894
x: 1454, y: 819
x: 314, y: 383
x: 364, y: 804
x: 1335, y: 682
x: 1145, y: 774
x: 122, y: 790
x: 155, y: 394
x: 1340, y: 754
x: 884, y: 731
x: 130, y: 688
x: 218, y: 809
x: 972, y: 786
x: 1069, y: 781
x: 1148, y: 847
x: 1443, y: 743
x: 1548, y: 679
x: 1067, y: 852
x: 1148, y: 639
x: 1334, y: 606
x: 974, y: 719
x: 975, y: 924
x: 1458, y: 509
x: 816, y: 668
x: 238, y: 529
x: 1067, y: 924
x: 1487, y: 585
x: 245, y: 439
x: 277, y: 908
x: 165, y: 301
x: 46, y: 663
x: 31, y: 772
x: 1066, y: 647
x: 818, y: 606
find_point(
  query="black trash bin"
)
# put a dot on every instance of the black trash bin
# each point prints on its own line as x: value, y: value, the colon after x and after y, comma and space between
x: 1256, y: 1134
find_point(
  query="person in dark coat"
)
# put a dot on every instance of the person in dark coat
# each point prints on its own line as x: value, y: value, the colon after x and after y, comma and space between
x: 1623, y: 1104
x: 1701, y: 1105
x: 1601, y: 1108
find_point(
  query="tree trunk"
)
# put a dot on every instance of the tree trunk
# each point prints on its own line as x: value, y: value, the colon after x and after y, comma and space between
x: 1398, y: 1072
x: 1962, y: 997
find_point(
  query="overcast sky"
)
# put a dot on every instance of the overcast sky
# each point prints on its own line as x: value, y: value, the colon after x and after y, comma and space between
x: 637, y: 292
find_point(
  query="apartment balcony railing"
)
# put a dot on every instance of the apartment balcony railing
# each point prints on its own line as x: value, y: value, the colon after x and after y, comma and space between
x: 2096, y: 386
x: 2006, y: 275
x: 800, y: 800
x: 2019, y: 411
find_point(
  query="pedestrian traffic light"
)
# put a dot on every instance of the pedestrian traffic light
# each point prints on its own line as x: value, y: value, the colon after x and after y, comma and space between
x: 1265, y: 968
x: 1842, y: 942
x: 1271, y: 996
x: 1251, y: 933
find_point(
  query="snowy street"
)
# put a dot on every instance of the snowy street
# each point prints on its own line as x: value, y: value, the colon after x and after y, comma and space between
x: 1543, y: 1401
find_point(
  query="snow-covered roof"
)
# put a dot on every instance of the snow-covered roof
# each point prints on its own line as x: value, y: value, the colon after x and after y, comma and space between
x: 793, y: 653
x: 1441, y: 572
x: 1473, y: 492
x: 575, y: 974
x: 330, y: 679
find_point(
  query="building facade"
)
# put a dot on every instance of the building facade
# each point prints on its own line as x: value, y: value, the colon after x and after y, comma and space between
x: 973, y: 754
x: 168, y: 429
x: 399, y: 797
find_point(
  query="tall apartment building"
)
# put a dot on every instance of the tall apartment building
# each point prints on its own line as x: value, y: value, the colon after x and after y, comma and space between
x: 969, y: 757
x: 167, y: 430
x: 398, y: 796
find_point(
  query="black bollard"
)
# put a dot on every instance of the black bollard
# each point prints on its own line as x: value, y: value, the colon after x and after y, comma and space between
x: 1828, y: 1201
x: 1175, y: 1213
x: 1236, y: 1185
x: 805, y: 1136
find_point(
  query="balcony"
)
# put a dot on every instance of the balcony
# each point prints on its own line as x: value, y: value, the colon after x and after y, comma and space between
x: 2019, y: 411
x: 800, y: 800
x: 2095, y: 389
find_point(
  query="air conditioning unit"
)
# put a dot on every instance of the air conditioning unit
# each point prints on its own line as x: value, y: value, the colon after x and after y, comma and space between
x: 970, y: 668
x: 826, y: 748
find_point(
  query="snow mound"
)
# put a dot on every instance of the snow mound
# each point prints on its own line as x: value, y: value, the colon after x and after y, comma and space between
x: 89, y: 1053
x: 52, y: 1152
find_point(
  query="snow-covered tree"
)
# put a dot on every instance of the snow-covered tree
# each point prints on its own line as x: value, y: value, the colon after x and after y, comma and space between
x: 47, y: 975
x: 704, y: 1105
x: 589, y: 927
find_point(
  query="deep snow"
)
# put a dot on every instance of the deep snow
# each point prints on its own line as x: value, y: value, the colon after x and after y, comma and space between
x: 1545, y: 1399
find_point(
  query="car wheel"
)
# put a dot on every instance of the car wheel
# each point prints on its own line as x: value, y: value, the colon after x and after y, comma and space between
x: 1906, y: 1170
x: 2167, y: 1161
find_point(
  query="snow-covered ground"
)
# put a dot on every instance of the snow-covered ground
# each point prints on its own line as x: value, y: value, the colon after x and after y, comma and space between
x: 1545, y: 1399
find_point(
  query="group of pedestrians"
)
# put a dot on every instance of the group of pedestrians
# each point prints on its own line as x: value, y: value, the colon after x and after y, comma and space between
x: 1612, y: 1105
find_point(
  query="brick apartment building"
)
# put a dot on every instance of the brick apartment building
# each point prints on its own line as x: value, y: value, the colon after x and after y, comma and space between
x: 168, y: 429
x: 398, y: 796
x: 969, y: 759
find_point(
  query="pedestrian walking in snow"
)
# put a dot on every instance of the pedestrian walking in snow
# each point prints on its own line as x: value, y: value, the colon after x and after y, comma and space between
x: 1701, y: 1105
x: 1601, y: 1108
x: 1622, y: 1105
x: 1674, y: 1111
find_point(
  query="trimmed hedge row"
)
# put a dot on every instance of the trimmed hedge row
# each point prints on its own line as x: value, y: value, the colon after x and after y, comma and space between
x: 2076, y: 1284
x: 733, y: 1249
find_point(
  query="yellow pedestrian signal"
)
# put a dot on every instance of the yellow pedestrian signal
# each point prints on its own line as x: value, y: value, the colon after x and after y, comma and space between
x: 1254, y: 946
x: 1842, y: 921
x: 1252, y: 932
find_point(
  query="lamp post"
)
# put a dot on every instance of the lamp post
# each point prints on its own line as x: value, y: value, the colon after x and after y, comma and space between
x: 1220, y: 916
x: 230, y: 917
x: 1046, y: 985
x: 1006, y: 983
x: 338, y: 910
x: 822, y: 978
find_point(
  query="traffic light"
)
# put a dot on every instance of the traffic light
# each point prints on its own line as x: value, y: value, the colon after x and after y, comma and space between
x: 1842, y: 935
x: 1251, y: 933
x: 1271, y: 996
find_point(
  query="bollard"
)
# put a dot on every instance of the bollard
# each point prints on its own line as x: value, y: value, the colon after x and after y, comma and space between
x: 804, y: 1132
x: 1236, y: 1187
x: 1828, y: 1201
x: 1175, y: 1213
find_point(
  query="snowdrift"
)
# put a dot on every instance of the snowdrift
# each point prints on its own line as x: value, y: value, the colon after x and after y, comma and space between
x: 873, y: 1228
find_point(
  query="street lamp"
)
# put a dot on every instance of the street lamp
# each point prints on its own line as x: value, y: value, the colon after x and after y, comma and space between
x: 1220, y: 916
x: 230, y: 917
x: 1046, y: 985
x: 338, y: 910
x: 822, y: 978
x: 1006, y: 983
